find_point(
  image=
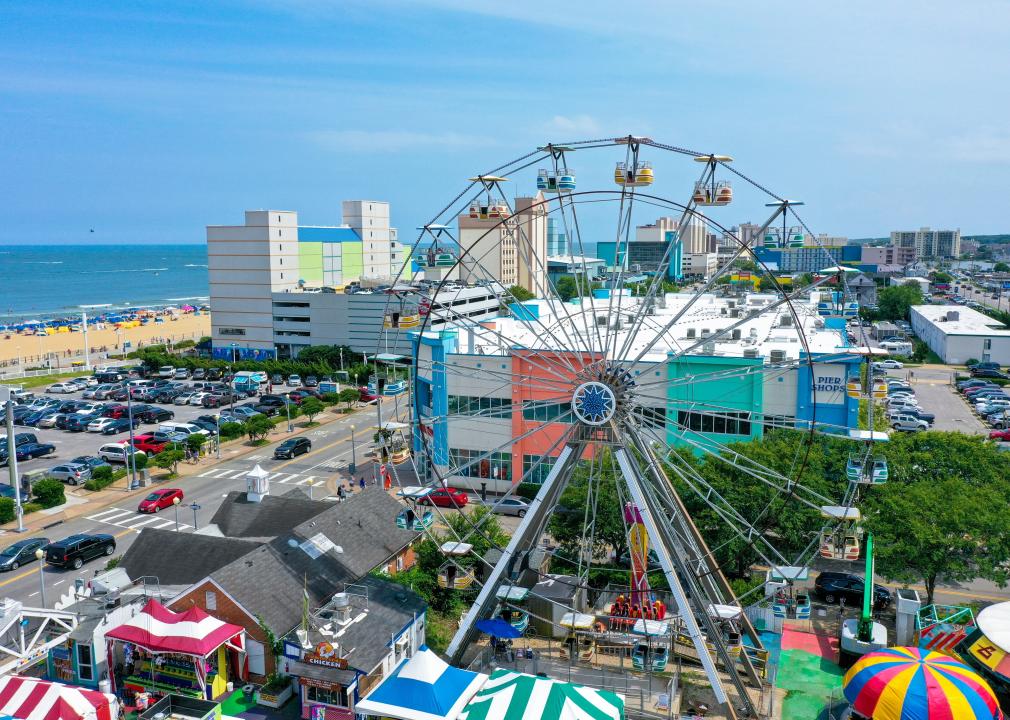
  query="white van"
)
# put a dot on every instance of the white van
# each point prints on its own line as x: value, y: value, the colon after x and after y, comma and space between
x: 182, y: 427
x: 166, y: 371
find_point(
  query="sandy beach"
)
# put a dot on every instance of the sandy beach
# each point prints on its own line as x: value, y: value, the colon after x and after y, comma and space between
x: 64, y: 348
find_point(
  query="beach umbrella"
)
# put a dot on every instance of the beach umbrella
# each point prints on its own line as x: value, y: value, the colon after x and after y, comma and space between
x: 496, y: 627
x: 908, y: 683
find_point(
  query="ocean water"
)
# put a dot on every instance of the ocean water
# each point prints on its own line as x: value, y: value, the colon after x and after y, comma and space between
x: 57, y: 280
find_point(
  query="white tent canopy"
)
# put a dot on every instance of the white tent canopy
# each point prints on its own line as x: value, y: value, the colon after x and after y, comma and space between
x: 510, y: 695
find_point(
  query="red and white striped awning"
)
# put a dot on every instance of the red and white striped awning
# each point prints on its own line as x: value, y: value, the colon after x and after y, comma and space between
x: 28, y: 698
x: 160, y: 630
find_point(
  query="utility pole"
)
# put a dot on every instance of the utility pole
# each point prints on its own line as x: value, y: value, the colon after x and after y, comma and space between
x: 87, y: 354
x: 7, y: 395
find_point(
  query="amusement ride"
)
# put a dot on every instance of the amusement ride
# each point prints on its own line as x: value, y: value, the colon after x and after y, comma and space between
x: 592, y: 390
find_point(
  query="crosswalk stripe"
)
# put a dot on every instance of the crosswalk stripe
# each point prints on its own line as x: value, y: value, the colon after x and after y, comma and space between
x: 145, y: 521
x: 116, y: 513
x: 210, y: 473
x: 163, y: 525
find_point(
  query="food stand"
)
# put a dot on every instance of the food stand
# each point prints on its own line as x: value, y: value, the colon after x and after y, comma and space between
x: 163, y: 652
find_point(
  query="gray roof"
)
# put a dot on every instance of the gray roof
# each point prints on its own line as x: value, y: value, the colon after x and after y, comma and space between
x: 268, y: 581
x: 237, y: 517
x: 180, y: 558
x: 557, y: 587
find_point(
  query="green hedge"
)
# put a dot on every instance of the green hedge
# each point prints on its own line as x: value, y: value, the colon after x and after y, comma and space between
x: 6, y: 509
x: 49, y: 492
x: 232, y: 430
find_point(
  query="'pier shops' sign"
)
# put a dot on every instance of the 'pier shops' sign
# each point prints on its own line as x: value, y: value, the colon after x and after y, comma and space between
x: 829, y: 384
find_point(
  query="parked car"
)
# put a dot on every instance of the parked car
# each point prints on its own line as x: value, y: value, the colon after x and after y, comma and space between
x: 197, y: 398
x: 21, y: 553
x: 183, y: 398
x: 984, y: 366
x: 50, y: 420
x: 292, y: 447
x: 71, y: 473
x: 509, y: 506
x: 62, y: 387
x: 207, y: 425
x: 199, y: 374
x: 117, y: 452
x: 159, y: 500
x: 834, y: 586
x: 294, y: 380
x: 76, y: 550
x: 34, y: 450
x: 986, y: 373
x: 276, y: 379
x: 888, y: 364
x: 1000, y: 435
x: 148, y: 444
x: 445, y: 497
x: 916, y: 412
x: 120, y: 425
x: 89, y: 460
x: 244, y: 413
x: 214, y: 374
x: 155, y: 415
x: 311, y: 381
x: 366, y: 394
x: 908, y: 423
x: 181, y: 374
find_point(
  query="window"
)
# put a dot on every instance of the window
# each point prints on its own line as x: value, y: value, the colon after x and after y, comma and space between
x: 472, y: 463
x: 546, y: 412
x: 210, y: 598
x: 84, y: 663
x: 231, y: 331
x: 482, y: 406
x: 399, y: 563
x: 538, y: 474
x: 650, y: 417
x: 335, y: 696
x: 727, y: 423
x: 987, y: 344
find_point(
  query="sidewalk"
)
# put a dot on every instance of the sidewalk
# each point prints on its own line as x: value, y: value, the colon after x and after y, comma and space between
x: 81, y: 502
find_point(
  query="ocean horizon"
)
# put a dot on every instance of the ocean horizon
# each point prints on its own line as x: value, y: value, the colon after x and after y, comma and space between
x: 62, y: 280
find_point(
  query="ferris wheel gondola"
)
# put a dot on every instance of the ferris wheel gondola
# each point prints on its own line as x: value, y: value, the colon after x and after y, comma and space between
x: 614, y: 388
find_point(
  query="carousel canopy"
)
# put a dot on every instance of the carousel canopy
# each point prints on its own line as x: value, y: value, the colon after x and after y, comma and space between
x: 194, y: 632
x: 34, y: 699
x: 510, y: 695
x: 422, y: 688
x: 908, y: 683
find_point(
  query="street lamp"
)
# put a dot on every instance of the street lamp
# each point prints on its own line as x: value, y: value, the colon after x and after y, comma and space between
x: 287, y: 409
x: 310, y: 483
x: 218, y: 436
x: 132, y: 456
x: 175, y: 502
x: 354, y: 458
x: 40, y: 555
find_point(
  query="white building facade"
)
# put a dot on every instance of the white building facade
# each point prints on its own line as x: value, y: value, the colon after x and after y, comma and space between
x: 958, y: 334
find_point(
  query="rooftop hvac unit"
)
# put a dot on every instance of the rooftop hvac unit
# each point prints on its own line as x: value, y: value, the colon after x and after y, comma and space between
x: 953, y: 316
x: 778, y: 356
x: 708, y: 348
x: 818, y: 323
x: 705, y: 332
x: 736, y: 333
x: 786, y: 321
x: 731, y: 303
x: 722, y: 311
x: 750, y: 353
x: 734, y: 312
x: 753, y: 332
x: 690, y: 333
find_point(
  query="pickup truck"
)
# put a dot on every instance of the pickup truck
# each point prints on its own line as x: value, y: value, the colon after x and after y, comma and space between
x: 153, y: 443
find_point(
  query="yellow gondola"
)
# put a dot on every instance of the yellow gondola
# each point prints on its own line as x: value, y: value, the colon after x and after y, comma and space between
x: 633, y: 175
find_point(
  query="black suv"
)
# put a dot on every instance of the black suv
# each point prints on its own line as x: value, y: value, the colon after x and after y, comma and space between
x: 155, y: 415
x: 292, y: 447
x: 76, y: 550
x: 832, y: 586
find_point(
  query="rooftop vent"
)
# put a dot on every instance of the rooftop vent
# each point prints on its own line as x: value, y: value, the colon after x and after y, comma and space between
x: 750, y: 353
x: 736, y: 333
x: 786, y: 321
x: 777, y: 356
x: 708, y: 348
x: 705, y: 332
x: 691, y: 333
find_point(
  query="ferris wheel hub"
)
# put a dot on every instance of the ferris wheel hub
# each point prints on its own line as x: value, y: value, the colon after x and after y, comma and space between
x: 594, y: 403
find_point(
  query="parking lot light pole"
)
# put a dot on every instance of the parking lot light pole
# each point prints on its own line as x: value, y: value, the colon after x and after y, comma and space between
x: 175, y: 502
x: 310, y: 483
x: 287, y: 409
x: 12, y: 456
x: 354, y: 459
x: 132, y: 453
x: 40, y: 555
x: 219, y: 436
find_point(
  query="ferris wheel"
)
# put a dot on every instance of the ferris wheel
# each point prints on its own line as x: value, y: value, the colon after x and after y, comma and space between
x: 626, y: 349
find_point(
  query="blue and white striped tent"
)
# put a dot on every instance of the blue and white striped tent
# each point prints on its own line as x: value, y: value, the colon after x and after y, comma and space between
x: 424, y: 687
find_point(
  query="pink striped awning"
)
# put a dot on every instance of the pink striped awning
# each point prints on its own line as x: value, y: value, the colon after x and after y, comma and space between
x: 160, y: 630
x: 29, y: 698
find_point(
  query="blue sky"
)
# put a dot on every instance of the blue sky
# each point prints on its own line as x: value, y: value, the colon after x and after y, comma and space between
x: 149, y: 120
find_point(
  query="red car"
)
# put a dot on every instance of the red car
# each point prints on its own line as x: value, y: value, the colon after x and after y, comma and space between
x: 148, y: 444
x: 366, y: 396
x: 446, y: 498
x: 159, y: 500
x: 116, y: 411
x: 1003, y: 435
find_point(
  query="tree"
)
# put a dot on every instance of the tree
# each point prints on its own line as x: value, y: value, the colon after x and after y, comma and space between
x: 1001, y: 267
x: 169, y: 459
x: 257, y: 427
x: 349, y: 396
x: 939, y: 276
x: 944, y: 514
x: 48, y: 492
x: 566, y: 287
x: 311, y: 407
x: 195, y: 441
x: 520, y: 293
x: 894, y: 301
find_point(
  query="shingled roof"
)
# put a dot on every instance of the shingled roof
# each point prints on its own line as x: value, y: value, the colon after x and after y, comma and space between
x: 180, y: 558
x: 238, y: 517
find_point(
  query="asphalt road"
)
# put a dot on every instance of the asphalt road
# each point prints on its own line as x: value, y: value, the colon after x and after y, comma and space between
x: 316, y: 472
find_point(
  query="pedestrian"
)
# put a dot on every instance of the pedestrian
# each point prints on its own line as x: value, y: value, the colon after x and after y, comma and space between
x: 361, y: 482
x: 340, y: 493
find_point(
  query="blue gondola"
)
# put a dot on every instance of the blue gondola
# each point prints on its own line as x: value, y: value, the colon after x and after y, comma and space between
x: 410, y: 519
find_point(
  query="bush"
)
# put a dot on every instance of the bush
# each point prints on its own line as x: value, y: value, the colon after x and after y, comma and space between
x: 49, y: 492
x: 140, y: 461
x: 6, y: 509
x: 232, y: 430
x: 527, y: 490
x: 196, y: 441
x: 330, y: 398
x: 102, y: 472
x: 258, y: 427
x: 32, y: 507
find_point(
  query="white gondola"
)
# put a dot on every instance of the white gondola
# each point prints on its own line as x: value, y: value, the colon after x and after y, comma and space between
x: 842, y: 542
x: 456, y: 549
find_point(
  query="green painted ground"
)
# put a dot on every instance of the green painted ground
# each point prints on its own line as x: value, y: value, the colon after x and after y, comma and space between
x: 236, y: 703
x: 808, y: 681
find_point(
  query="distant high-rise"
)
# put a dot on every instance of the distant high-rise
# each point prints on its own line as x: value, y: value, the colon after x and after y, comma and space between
x: 929, y: 244
x: 512, y: 251
x: 557, y: 238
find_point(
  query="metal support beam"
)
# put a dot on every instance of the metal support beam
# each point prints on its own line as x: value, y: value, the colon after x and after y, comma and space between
x: 524, y: 538
x: 676, y: 571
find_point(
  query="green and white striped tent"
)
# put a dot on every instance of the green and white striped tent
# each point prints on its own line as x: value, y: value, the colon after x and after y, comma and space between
x: 511, y: 695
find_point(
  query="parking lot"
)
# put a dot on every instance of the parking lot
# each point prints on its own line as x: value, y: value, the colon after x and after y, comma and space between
x: 936, y: 395
x: 73, y: 444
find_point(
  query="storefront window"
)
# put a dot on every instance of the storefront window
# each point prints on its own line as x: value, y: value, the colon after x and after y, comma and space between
x: 84, y: 669
x: 327, y: 696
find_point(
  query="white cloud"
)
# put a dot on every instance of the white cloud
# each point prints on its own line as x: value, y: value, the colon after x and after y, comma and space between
x: 376, y: 141
x: 577, y: 126
x: 984, y: 146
